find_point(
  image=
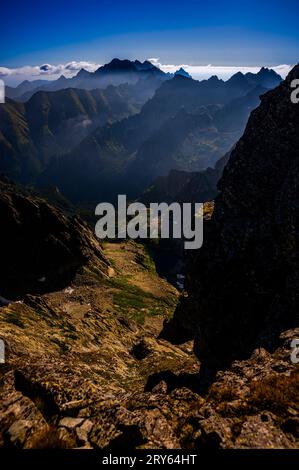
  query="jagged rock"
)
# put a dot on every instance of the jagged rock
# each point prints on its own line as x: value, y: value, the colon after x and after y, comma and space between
x: 18, y: 432
x: 84, y: 430
x: 161, y: 387
x: 84, y: 413
x: 215, y: 432
x: 71, y: 423
x: 249, y: 405
x: 261, y: 432
x: 67, y: 439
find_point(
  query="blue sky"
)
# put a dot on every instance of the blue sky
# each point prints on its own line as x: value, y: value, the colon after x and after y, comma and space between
x: 227, y: 33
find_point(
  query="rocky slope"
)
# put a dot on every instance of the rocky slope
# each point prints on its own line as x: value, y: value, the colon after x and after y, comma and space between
x: 243, y: 284
x: 75, y: 356
x: 41, y: 247
x: 85, y: 368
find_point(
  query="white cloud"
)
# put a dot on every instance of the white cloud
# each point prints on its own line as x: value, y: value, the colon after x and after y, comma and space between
x: 2, y: 92
x: 46, y: 71
x: 200, y: 72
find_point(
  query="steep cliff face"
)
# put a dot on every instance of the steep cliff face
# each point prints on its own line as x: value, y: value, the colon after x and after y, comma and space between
x: 41, y: 248
x: 243, y: 284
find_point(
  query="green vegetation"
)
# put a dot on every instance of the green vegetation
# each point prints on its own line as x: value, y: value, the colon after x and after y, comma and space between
x: 133, y: 301
x: 93, y: 271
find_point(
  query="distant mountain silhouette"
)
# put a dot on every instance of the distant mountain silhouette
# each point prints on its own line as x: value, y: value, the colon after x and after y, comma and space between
x: 115, y: 73
x: 24, y: 87
x: 182, y: 72
x: 234, y: 115
x: 267, y: 78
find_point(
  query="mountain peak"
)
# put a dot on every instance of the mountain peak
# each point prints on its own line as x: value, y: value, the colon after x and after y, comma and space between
x: 83, y: 73
x: 213, y: 78
x: 237, y: 77
x: 238, y: 80
x: 265, y: 77
x: 118, y: 64
x: 265, y: 70
x: 183, y: 73
x: 125, y: 66
x: 146, y: 65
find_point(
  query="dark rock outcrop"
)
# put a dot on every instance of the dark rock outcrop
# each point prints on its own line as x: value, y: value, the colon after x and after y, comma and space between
x: 243, y: 284
x: 41, y: 248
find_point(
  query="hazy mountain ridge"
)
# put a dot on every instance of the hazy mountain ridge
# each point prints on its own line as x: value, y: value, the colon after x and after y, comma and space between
x: 186, y: 186
x: 114, y: 73
x: 181, y: 127
x: 66, y: 138
x: 50, y: 123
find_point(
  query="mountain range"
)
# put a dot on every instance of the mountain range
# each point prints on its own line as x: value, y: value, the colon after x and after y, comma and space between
x: 50, y: 123
x: 187, y: 125
x: 115, y: 73
x: 122, y: 126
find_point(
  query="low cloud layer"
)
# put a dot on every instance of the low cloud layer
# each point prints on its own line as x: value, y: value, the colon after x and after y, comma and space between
x: 201, y: 72
x: 45, y: 71
x: 13, y: 76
